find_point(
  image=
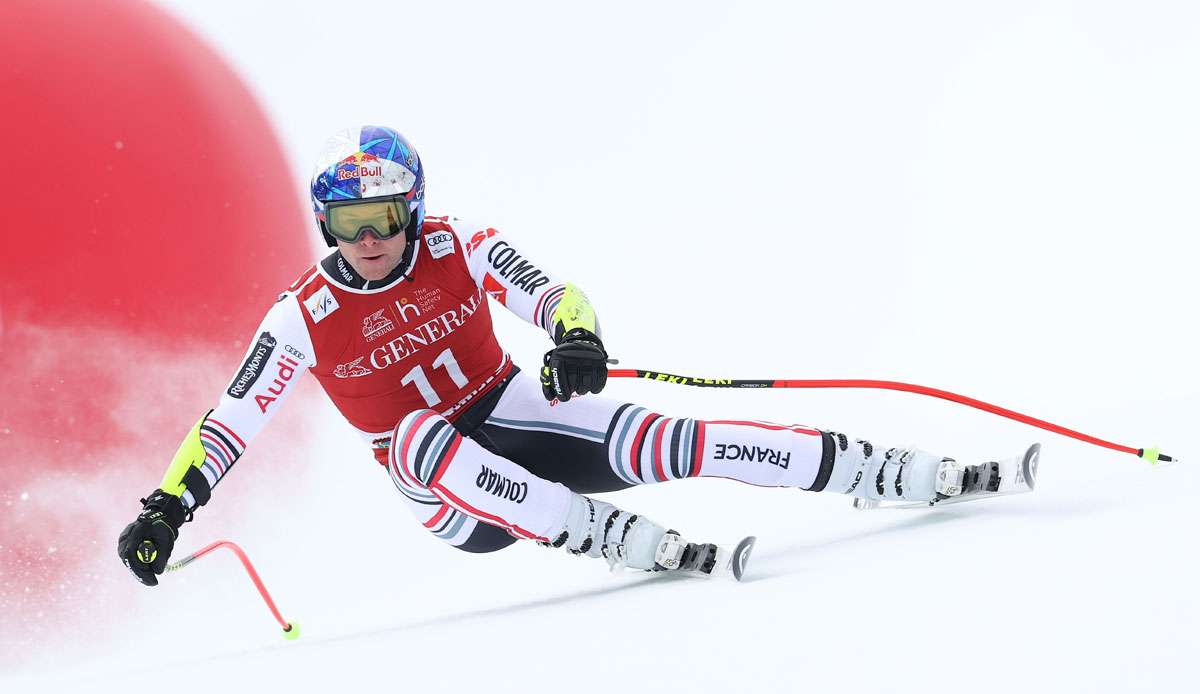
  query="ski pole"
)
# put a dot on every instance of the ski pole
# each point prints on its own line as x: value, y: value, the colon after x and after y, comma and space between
x: 1152, y: 455
x: 291, y: 630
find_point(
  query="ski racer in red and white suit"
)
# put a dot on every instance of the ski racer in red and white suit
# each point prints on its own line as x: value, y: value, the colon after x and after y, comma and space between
x: 483, y: 454
x: 423, y: 343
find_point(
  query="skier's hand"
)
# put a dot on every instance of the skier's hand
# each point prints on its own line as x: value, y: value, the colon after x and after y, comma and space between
x: 576, y: 366
x: 145, y: 545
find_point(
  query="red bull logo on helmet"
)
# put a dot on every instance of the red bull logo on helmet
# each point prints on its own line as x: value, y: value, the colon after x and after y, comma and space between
x: 359, y: 172
x: 359, y: 165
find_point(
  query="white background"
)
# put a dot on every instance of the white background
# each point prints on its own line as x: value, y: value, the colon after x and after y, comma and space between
x: 998, y: 199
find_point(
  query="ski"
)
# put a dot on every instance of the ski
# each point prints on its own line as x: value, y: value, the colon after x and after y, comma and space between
x: 1016, y: 475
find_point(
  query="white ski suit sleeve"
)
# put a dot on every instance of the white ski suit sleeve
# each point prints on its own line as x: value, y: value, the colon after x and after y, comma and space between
x: 280, y: 351
x: 524, y: 287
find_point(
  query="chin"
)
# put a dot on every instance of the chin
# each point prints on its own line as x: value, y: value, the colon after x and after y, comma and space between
x: 379, y: 272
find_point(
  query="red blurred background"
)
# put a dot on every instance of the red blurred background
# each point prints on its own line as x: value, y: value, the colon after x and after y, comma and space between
x: 150, y: 218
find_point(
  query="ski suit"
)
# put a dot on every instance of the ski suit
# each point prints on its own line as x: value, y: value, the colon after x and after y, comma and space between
x: 472, y: 445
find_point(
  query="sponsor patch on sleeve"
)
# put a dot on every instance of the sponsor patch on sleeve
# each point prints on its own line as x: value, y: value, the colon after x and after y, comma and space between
x: 441, y: 243
x: 252, y: 368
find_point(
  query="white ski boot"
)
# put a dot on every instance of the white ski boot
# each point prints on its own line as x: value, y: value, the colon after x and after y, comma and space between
x: 599, y: 529
x: 912, y: 478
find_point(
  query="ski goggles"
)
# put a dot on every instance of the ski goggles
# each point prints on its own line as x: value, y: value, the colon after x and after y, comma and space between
x: 384, y: 217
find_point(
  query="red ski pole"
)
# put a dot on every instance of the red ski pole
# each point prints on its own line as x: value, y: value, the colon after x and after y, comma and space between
x: 1153, y: 455
x: 291, y: 630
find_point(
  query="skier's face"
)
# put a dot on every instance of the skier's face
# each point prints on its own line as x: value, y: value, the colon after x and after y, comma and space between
x: 372, y: 258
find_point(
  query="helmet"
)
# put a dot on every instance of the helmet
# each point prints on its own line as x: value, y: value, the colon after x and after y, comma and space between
x: 369, y: 162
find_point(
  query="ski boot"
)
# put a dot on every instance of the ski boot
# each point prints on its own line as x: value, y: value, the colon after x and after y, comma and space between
x: 912, y: 478
x: 599, y: 529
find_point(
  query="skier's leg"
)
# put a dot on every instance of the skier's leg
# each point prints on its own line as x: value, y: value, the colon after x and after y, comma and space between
x: 447, y: 523
x: 594, y: 444
x: 429, y: 459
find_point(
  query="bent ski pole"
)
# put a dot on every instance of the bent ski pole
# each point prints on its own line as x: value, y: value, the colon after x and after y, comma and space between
x: 291, y: 630
x: 1152, y: 455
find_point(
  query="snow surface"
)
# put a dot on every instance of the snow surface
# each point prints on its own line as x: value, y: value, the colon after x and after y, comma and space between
x: 997, y: 200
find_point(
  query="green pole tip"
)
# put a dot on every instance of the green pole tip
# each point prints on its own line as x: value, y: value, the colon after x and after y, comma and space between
x: 292, y: 632
x: 1155, y: 456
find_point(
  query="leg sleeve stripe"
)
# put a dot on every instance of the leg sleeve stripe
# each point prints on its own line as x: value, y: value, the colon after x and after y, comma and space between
x: 410, y: 425
x: 400, y: 474
x: 428, y: 451
x: 446, y: 522
x: 685, y: 453
x: 656, y: 449
x: 446, y: 457
x: 698, y: 453
x: 551, y: 427
x: 612, y: 426
x: 443, y: 451
x: 451, y: 533
x: 410, y: 493
x: 676, y: 432
x: 449, y: 497
x: 437, y: 517
x: 618, y: 454
x: 639, y: 441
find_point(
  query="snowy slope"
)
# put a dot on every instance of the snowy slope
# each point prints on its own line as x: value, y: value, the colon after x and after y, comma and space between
x: 998, y: 202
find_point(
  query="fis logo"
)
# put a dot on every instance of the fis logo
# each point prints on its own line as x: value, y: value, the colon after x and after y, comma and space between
x: 321, y: 304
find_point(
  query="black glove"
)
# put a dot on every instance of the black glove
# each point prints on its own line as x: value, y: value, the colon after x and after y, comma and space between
x: 576, y: 366
x: 146, y: 544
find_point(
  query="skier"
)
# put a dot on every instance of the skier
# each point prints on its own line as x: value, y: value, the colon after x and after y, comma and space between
x: 395, y: 324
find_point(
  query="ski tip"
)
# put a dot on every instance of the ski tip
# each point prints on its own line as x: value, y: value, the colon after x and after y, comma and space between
x: 741, y: 555
x: 1029, y: 465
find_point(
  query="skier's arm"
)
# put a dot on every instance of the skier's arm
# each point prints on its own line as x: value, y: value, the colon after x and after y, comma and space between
x: 279, y: 353
x: 578, y: 362
x: 526, y: 288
